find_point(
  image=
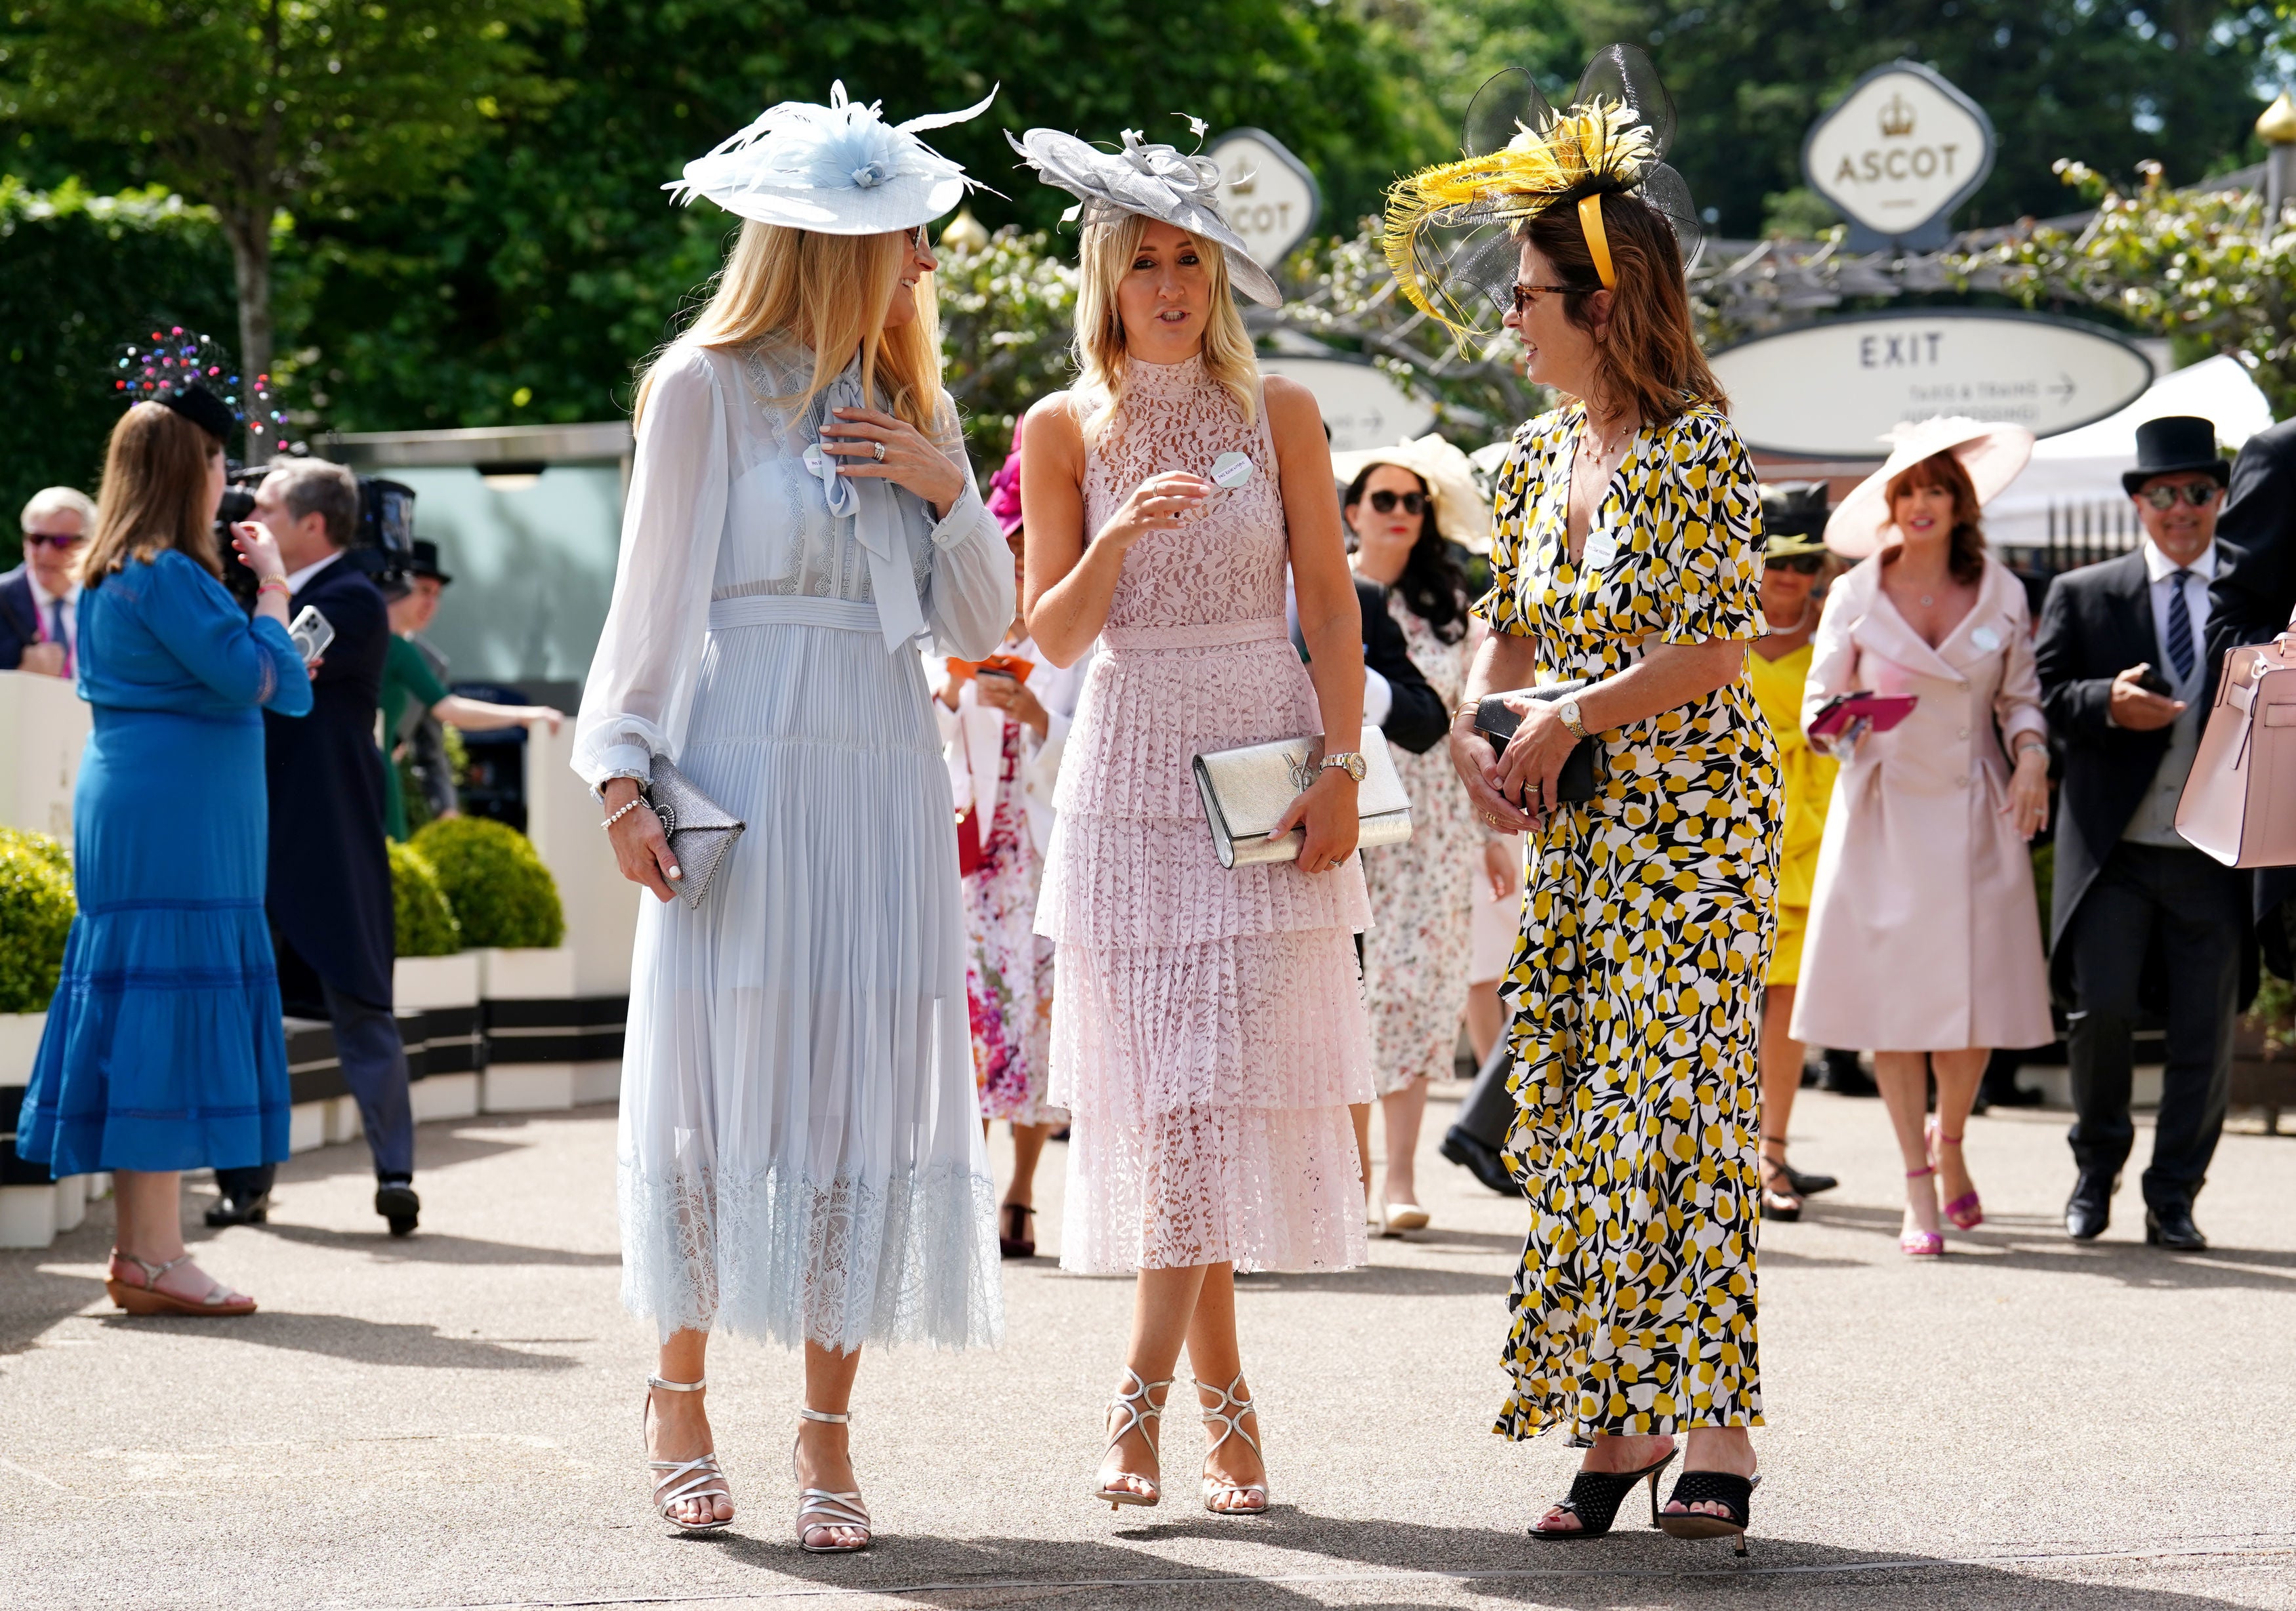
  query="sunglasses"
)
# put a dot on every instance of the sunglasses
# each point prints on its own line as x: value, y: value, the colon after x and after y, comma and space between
x: 2198, y: 493
x: 1414, y: 503
x: 1520, y: 296
x: 1802, y: 564
x: 917, y: 242
x: 33, y: 539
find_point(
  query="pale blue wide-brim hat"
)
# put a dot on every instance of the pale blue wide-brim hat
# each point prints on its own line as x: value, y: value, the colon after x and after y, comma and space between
x: 839, y: 169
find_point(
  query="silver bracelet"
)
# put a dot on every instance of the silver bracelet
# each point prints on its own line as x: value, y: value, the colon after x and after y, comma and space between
x: 629, y: 806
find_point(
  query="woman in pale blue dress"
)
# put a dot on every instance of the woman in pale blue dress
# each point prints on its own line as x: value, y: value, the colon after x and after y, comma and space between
x: 801, y: 1147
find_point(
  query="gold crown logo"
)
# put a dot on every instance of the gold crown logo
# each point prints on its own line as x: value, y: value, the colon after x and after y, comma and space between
x: 1896, y: 118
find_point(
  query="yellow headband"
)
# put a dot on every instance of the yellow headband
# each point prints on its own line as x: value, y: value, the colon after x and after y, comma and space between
x: 1598, y: 243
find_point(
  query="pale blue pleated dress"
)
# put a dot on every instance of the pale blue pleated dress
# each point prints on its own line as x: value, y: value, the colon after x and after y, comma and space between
x: 800, y: 1146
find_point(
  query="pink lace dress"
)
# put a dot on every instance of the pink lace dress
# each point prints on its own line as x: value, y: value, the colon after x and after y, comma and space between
x: 1208, y: 1031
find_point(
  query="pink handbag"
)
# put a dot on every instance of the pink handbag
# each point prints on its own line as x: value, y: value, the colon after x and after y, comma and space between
x: 2239, y: 804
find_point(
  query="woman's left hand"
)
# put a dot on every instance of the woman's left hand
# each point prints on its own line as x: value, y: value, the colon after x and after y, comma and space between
x: 1327, y: 811
x: 2028, y: 804
x: 910, y: 460
x: 1532, y: 761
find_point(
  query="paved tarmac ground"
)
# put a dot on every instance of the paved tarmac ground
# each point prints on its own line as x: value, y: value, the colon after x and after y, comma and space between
x: 454, y: 1420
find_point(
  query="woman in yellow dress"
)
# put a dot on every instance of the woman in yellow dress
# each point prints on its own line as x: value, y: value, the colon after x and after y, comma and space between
x: 1794, y: 560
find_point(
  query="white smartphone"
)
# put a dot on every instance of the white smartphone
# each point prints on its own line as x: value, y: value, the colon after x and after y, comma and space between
x: 311, y: 633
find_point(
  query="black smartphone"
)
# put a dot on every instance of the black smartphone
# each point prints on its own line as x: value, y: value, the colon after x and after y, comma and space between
x: 2153, y: 682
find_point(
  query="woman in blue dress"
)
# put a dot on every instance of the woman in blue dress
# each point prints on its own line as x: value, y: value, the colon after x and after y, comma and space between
x: 164, y: 1050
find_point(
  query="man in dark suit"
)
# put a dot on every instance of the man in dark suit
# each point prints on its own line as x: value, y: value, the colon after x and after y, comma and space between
x: 2140, y: 920
x: 329, y: 895
x: 1398, y: 699
x: 2254, y: 600
x: 39, y: 600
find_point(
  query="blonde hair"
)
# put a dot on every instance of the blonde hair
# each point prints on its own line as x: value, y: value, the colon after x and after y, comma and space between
x: 1104, y: 259
x: 155, y: 478
x: 831, y: 293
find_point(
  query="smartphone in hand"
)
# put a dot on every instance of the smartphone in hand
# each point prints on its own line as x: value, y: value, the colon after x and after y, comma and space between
x: 311, y: 633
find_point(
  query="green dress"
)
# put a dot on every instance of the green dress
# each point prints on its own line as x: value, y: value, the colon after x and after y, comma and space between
x: 407, y: 682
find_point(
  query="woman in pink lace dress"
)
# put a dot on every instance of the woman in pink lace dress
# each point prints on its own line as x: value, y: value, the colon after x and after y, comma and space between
x: 1208, y: 1029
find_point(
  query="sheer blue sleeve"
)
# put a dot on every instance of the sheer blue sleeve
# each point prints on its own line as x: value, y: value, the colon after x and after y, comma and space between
x: 246, y: 662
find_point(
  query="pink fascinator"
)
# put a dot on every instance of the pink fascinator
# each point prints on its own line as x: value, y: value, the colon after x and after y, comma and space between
x: 1004, y: 500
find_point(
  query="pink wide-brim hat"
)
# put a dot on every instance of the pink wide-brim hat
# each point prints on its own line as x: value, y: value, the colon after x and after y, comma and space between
x: 1003, y: 499
x: 1993, y: 455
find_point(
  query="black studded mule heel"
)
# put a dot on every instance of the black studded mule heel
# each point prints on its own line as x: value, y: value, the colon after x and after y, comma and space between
x: 1595, y: 1497
x: 1733, y: 1493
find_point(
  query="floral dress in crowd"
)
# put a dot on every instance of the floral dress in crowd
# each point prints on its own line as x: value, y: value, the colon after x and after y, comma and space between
x: 1008, y: 977
x: 1636, y: 988
x: 1417, y: 956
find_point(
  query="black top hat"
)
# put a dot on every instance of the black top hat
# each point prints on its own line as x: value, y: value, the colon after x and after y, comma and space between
x: 1793, y: 517
x: 2172, y: 445
x: 426, y: 562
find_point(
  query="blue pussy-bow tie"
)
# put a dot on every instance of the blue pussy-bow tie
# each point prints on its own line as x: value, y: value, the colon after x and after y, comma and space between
x: 876, y: 516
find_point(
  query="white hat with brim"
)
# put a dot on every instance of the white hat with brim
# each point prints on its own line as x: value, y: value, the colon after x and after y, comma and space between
x: 1993, y: 455
x: 1462, y: 512
x: 1153, y: 181
x: 839, y: 169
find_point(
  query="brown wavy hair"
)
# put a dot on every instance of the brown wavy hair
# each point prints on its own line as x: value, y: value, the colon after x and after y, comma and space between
x: 1965, y: 559
x: 155, y: 478
x: 1649, y: 357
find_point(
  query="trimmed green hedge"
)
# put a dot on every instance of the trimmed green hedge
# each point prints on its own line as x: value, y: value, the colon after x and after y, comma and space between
x: 501, y: 892
x: 35, y: 914
x: 423, y: 921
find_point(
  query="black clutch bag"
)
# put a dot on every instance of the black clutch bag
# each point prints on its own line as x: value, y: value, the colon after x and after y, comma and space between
x: 1495, y: 721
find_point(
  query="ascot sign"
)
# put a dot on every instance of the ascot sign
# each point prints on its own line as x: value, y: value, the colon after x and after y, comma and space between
x: 1835, y: 389
x: 1267, y: 193
x: 1898, y: 154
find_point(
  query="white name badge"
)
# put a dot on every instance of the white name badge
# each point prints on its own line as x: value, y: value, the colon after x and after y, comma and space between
x: 1232, y: 471
x: 1986, y: 639
x: 1601, y: 548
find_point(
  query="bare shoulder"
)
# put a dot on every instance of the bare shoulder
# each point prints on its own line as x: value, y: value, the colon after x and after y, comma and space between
x: 1053, y: 427
x: 1291, y: 406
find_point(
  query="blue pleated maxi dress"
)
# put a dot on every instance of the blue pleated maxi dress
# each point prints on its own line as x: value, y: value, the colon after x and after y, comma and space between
x: 164, y: 1048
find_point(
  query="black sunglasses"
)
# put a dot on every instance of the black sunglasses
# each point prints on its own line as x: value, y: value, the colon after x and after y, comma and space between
x: 1803, y: 564
x: 2198, y: 493
x: 33, y: 539
x: 1414, y: 503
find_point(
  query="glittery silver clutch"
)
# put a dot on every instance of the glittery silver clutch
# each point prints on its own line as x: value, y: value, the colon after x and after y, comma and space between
x: 1247, y: 791
x: 701, y: 832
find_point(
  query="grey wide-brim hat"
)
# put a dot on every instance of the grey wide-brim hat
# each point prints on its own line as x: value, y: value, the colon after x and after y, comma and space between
x: 1153, y: 181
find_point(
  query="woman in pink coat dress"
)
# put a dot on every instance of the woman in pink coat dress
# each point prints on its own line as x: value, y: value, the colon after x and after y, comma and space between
x: 1924, y: 941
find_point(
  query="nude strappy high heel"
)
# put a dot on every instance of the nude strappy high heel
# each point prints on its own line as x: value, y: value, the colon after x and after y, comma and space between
x: 692, y: 1478
x: 1966, y: 1211
x: 1139, y: 1410
x: 835, y: 1512
x: 1228, y: 1415
x: 146, y: 1299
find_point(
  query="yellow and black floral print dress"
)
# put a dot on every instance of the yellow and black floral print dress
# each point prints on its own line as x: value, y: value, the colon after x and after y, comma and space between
x: 1635, y: 987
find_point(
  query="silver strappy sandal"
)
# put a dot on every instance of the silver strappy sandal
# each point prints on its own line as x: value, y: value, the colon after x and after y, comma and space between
x: 692, y: 1478
x: 1228, y: 1415
x: 833, y: 1509
x: 1139, y: 1410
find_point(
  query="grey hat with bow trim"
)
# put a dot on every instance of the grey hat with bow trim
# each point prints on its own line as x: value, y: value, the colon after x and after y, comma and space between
x: 1153, y: 180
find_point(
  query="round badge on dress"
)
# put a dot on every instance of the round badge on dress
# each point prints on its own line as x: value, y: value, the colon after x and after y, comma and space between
x: 1232, y: 471
x: 1986, y: 639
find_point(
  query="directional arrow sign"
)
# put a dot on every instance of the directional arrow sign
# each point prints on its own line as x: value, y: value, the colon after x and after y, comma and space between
x: 1832, y: 389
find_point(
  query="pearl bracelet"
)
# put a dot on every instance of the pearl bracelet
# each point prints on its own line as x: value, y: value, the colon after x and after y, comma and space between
x: 627, y: 806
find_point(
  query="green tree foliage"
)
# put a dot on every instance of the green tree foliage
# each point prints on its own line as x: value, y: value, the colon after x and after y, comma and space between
x: 248, y: 106
x: 80, y: 274
x: 423, y: 922
x: 36, y: 915
x: 501, y: 892
x: 1006, y: 312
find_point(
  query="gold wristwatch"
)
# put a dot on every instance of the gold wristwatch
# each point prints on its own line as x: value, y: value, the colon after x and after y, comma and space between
x: 1348, y: 761
x: 1568, y: 711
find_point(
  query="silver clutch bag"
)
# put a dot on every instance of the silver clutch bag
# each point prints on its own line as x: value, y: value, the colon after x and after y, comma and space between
x: 1247, y: 791
x: 701, y: 832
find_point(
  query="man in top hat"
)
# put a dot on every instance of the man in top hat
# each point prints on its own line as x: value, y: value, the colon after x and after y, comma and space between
x: 2141, y: 923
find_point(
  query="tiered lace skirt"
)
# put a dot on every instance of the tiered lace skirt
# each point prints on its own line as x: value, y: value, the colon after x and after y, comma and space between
x: 1208, y: 1029
x: 802, y: 1153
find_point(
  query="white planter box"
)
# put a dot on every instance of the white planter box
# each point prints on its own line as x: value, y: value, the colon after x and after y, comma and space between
x: 440, y: 981
x: 27, y: 1216
x: 307, y: 1126
x: 597, y: 1083
x: 526, y: 974
x: 530, y: 1088
x: 343, y: 1122
x: 445, y: 1096
x: 20, y: 1044
x: 71, y: 1202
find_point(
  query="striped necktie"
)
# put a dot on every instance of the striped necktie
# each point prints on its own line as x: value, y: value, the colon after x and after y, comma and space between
x: 2180, y: 626
x: 56, y: 634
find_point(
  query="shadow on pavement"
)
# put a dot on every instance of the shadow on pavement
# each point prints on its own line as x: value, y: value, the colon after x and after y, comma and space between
x: 345, y: 1338
x: 427, y: 1246
x: 1379, y: 1280
x: 2007, y: 1245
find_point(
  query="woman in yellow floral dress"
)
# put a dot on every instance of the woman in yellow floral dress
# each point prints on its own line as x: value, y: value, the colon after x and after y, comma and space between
x: 1627, y: 555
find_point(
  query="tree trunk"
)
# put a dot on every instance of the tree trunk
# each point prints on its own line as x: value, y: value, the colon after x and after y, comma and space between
x: 248, y: 230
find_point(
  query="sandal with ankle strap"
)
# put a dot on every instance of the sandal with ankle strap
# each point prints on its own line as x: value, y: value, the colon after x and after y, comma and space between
x: 148, y: 1299
x: 1139, y: 1410
x: 1595, y: 1497
x: 1780, y: 1200
x: 694, y: 1477
x: 1733, y: 1493
x: 1228, y: 1415
x: 1918, y: 1243
x: 1965, y: 1211
x: 837, y: 1510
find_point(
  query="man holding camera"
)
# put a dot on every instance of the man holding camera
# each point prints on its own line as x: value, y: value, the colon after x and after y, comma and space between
x: 2140, y: 922
x: 329, y: 893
